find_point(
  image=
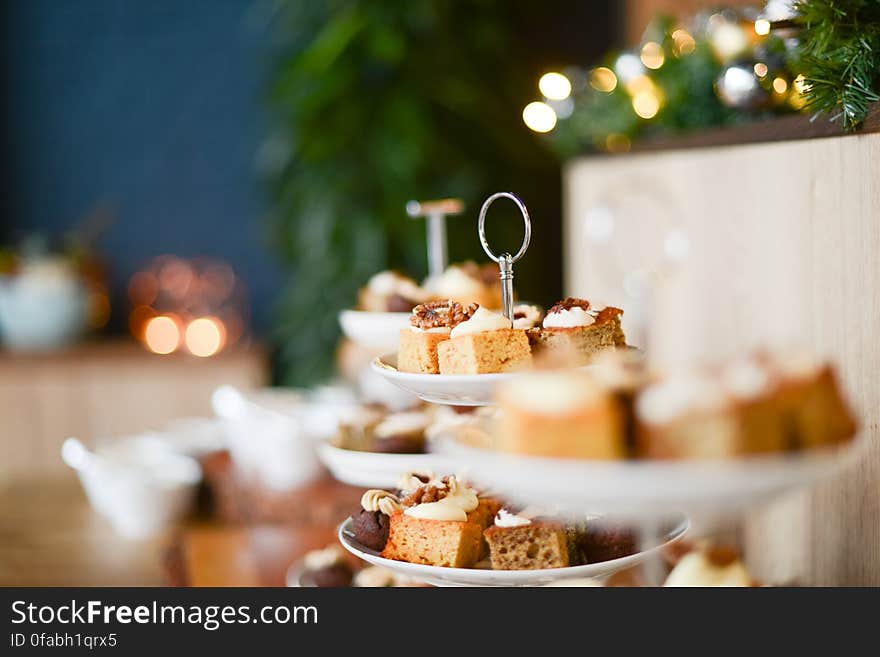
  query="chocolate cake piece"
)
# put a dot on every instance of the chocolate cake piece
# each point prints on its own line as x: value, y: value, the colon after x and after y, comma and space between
x: 370, y: 529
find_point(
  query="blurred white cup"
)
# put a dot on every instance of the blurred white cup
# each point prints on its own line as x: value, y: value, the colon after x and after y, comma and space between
x: 140, y: 485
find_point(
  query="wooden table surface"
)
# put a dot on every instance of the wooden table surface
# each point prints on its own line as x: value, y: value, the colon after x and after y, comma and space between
x: 49, y: 536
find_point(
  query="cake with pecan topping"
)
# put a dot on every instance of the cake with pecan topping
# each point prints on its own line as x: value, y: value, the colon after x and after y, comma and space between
x: 430, y: 324
x: 485, y: 343
x: 441, y: 524
x: 578, y: 331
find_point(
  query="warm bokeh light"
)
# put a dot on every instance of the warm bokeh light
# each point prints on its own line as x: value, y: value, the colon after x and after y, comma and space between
x: 143, y: 288
x: 639, y: 84
x: 204, y: 336
x: 175, y: 277
x: 603, y: 79
x: 555, y: 86
x: 799, y: 87
x: 762, y: 27
x: 539, y: 117
x: 684, y: 43
x: 652, y: 55
x: 760, y: 69
x: 646, y: 104
x: 727, y: 38
x: 615, y: 143
x: 780, y: 86
x: 162, y: 335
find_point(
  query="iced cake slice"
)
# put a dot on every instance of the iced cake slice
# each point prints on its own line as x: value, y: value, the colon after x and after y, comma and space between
x: 517, y: 542
x: 562, y: 414
x: 441, y: 524
x: 430, y: 325
x: 486, y: 343
x: 576, y: 330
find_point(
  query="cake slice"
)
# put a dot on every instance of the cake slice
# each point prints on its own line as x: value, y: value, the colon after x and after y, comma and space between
x: 430, y: 325
x: 441, y: 524
x: 521, y: 543
x: 688, y: 415
x: 453, y: 544
x: 577, y: 331
x: 811, y: 400
x: 564, y: 414
x: 484, y: 344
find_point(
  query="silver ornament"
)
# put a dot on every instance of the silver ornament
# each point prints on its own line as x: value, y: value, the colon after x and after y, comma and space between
x: 738, y: 87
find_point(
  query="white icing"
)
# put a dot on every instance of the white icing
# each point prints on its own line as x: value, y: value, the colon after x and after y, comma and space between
x: 532, y: 316
x: 575, y: 316
x: 455, y: 283
x: 669, y: 399
x: 506, y: 519
x: 552, y: 393
x: 459, y: 501
x: 745, y: 379
x: 408, y: 481
x: 695, y: 569
x: 482, y: 320
x: 388, y: 283
x: 402, y: 423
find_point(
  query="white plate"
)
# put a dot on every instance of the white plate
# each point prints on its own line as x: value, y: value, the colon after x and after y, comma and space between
x: 374, y: 469
x: 455, y: 389
x: 646, y: 488
x: 379, y: 331
x: 439, y: 576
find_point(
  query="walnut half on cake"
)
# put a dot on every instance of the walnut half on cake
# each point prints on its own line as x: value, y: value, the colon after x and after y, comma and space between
x: 430, y: 324
x: 575, y: 330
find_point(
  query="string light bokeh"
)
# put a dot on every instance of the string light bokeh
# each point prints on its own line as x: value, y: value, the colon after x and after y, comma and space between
x: 198, y: 306
x: 731, y: 38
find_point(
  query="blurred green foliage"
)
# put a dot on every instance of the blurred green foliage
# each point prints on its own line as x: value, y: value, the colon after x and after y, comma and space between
x: 375, y: 103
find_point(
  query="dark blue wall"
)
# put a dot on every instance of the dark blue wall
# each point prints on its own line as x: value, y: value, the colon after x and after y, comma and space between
x: 153, y: 107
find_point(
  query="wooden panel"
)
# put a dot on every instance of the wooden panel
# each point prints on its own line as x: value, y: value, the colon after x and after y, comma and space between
x: 101, y: 391
x: 784, y: 249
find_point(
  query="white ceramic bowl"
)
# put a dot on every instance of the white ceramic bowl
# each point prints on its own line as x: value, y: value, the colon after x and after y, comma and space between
x: 140, y: 485
x: 379, y: 331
